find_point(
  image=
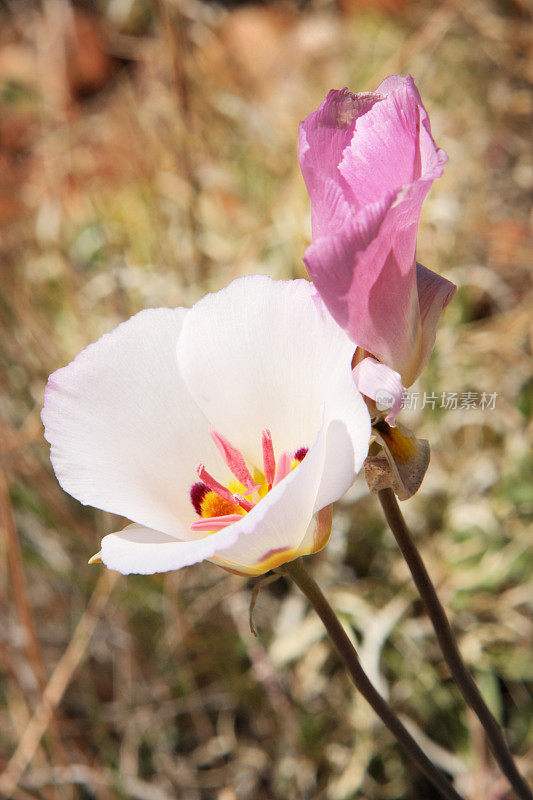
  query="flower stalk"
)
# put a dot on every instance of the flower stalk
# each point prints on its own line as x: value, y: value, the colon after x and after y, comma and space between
x: 345, y: 649
x: 448, y: 646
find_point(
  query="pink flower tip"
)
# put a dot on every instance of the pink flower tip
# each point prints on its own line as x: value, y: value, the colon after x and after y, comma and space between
x: 368, y: 161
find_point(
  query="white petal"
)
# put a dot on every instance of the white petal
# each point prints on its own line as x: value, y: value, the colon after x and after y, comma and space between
x: 266, y: 354
x: 126, y: 435
x: 144, y: 551
x: 277, y: 524
x: 318, y: 532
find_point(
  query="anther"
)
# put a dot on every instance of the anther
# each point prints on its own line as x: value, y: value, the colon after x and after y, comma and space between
x: 214, y: 485
x: 215, y: 523
x: 198, y: 492
x: 269, y: 461
x: 301, y: 454
x: 246, y: 504
x: 233, y: 459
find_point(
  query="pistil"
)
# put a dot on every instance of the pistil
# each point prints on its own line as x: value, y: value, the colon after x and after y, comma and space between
x: 220, y: 506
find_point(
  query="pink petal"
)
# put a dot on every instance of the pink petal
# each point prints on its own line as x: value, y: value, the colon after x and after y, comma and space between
x: 391, y: 147
x: 364, y: 276
x: 368, y: 162
x: 324, y: 136
x: 382, y: 384
x: 428, y: 150
x: 434, y: 294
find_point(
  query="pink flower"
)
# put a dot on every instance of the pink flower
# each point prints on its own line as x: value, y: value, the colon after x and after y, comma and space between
x: 223, y: 432
x: 368, y: 161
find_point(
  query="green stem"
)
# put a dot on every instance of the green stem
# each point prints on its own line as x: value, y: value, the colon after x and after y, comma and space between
x: 449, y: 648
x: 344, y: 647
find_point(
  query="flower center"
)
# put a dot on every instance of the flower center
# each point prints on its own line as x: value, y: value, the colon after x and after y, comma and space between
x: 219, y: 505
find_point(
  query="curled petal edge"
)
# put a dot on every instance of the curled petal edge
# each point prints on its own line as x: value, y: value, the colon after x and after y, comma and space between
x: 382, y: 384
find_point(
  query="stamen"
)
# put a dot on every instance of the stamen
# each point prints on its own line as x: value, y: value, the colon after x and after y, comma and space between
x: 219, y: 505
x: 214, y: 523
x: 284, y: 467
x: 269, y: 460
x: 246, y: 504
x: 233, y: 459
x: 214, y: 485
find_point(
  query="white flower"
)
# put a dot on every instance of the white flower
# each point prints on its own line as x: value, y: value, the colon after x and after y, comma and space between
x: 255, y: 417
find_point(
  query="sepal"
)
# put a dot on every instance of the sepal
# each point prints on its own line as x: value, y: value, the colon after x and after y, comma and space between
x: 401, y: 465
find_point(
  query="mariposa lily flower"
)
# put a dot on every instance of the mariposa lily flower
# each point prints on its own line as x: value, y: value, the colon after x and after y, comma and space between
x: 224, y: 432
x: 368, y: 161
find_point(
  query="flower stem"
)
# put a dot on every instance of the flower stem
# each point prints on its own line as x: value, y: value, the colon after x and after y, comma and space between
x: 448, y: 646
x: 345, y: 649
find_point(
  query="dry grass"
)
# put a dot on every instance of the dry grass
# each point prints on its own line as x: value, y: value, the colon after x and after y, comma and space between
x: 148, y: 155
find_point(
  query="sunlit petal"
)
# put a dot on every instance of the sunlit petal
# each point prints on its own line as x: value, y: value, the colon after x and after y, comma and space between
x: 125, y: 434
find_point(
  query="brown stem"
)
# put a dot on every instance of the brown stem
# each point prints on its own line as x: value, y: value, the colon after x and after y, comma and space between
x: 23, y: 606
x: 176, y: 30
x: 345, y: 649
x: 449, y: 648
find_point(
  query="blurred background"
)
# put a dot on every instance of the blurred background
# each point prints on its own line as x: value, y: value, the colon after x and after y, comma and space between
x: 148, y: 154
